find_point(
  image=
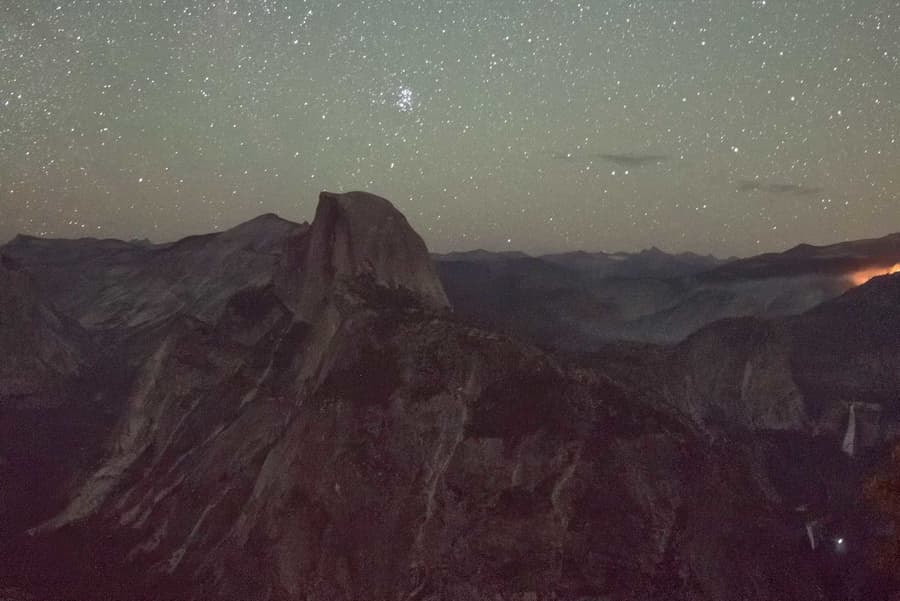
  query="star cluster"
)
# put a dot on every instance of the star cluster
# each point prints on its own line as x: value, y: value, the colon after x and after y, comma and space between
x: 725, y: 127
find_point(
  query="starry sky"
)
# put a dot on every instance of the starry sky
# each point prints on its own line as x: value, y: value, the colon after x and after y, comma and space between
x: 731, y: 127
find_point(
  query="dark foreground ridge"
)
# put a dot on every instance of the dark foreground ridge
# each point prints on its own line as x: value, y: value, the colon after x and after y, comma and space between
x: 290, y: 411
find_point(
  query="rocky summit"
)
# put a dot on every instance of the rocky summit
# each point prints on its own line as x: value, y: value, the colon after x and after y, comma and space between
x: 290, y: 411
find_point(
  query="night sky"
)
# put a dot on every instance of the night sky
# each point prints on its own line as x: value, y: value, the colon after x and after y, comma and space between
x: 732, y: 127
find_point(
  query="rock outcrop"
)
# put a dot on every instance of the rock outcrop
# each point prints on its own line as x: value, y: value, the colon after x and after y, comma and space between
x: 357, y: 235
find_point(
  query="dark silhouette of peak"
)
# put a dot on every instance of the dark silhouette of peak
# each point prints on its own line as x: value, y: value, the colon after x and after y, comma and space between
x: 265, y: 233
x: 880, y: 291
x: 268, y: 217
x: 480, y: 255
x: 842, y: 258
x: 265, y: 222
x: 802, y: 249
x: 22, y: 239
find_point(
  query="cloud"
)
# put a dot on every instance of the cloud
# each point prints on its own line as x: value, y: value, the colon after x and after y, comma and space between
x: 752, y: 185
x: 634, y: 160
x: 630, y: 161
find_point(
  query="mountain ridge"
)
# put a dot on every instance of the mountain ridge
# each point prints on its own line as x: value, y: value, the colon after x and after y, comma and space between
x: 309, y: 419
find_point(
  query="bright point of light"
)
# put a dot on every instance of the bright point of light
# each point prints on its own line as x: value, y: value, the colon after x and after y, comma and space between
x: 840, y: 541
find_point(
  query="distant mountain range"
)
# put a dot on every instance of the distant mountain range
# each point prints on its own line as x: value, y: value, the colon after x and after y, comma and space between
x: 580, y: 301
x: 321, y: 411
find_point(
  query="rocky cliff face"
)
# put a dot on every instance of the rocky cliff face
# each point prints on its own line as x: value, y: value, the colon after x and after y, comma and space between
x: 357, y: 235
x: 310, y: 422
x: 800, y: 373
x: 814, y: 398
x: 51, y: 412
x: 432, y: 460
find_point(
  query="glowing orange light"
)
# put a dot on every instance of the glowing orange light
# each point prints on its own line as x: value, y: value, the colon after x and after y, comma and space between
x: 861, y: 277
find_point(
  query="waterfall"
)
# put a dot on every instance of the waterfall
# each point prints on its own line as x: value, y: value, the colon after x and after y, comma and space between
x: 849, y: 445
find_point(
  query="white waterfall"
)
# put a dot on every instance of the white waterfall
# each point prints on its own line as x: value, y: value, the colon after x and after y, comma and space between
x: 849, y: 445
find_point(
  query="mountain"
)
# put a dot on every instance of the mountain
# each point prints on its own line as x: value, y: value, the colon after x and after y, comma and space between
x: 875, y: 256
x: 799, y: 373
x: 581, y: 301
x: 813, y: 398
x: 288, y: 411
x: 118, y: 286
x: 649, y: 263
x: 480, y: 256
x: 527, y: 296
x: 356, y: 235
x: 48, y: 373
x: 42, y: 349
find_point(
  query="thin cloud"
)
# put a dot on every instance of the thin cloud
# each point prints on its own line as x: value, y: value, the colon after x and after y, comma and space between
x: 752, y: 185
x: 629, y: 161
x: 634, y: 160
